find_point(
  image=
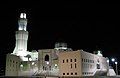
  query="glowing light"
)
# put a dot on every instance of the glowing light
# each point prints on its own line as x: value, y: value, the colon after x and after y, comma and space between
x: 55, y: 65
x: 47, y: 62
x: 113, y: 59
x: 33, y: 63
x: 22, y: 15
x: 99, y: 53
x: 30, y: 59
x: 21, y: 53
x: 21, y: 65
x: 107, y: 61
x: 116, y: 63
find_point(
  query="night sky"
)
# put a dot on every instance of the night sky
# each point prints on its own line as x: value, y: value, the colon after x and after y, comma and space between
x: 88, y: 27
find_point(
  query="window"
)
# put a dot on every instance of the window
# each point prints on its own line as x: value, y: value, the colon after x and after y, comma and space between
x: 75, y: 60
x: 82, y: 72
x: 50, y: 67
x: 43, y: 67
x: 67, y: 73
x: 82, y: 60
x: 71, y: 73
x: 75, y: 65
x: 67, y: 60
x: 98, y: 66
x: 88, y: 60
x: 71, y: 65
x: 63, y: 73
x: 75, y: 73
x: 70, y: 60
x: 47, y: 58
x: 63, y: 61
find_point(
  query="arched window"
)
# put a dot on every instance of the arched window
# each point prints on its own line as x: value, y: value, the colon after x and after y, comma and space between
x: 47, y: 58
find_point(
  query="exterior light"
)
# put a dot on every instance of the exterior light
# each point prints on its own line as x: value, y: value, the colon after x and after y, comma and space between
x: 33, y: 63
x: 30, y: 59
x: 21, y: 65
x: 113, y: 59
x: 116, y: 63
x: 22, y: 15
x: 47, y: 62
x: 107, y: 61
x: 55, y: 65
x: 98, y: 51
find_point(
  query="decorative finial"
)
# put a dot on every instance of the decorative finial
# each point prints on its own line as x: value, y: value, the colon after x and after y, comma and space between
x: 23, y: 15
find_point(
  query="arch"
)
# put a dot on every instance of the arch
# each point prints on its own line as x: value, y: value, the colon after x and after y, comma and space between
x: 46, y: 57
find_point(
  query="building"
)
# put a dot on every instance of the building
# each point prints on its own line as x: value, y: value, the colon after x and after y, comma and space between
x: 81, y: 63
x: 60, y: 61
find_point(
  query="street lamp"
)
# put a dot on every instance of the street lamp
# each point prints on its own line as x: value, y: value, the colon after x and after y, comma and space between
x: 113, y: 59
x: 116, y: 68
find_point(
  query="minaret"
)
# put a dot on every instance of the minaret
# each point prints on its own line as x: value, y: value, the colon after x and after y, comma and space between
x: 21, y: 36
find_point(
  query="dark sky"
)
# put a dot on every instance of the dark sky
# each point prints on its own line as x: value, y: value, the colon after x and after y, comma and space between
x: 82, y: 26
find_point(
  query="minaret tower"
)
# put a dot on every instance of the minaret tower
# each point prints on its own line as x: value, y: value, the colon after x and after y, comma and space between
x: 21, y: 36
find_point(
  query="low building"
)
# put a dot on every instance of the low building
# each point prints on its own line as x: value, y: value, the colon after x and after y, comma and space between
x: 81, y: 63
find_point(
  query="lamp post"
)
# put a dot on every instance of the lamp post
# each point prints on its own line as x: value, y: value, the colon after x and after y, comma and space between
x: 113, y: 60
x: 116, y: 68
x: 47, y: 62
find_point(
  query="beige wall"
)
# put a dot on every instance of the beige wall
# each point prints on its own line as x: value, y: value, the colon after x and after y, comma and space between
x: 12, y: 65
x: 90, y: 61
x: 66, y: 66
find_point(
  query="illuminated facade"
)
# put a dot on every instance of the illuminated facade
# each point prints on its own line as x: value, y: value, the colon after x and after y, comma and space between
x: 21, y: 37
x: 60, y: 61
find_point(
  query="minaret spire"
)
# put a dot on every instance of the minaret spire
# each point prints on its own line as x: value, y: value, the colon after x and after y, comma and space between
x: 22, y: 22
x: 21, y: 36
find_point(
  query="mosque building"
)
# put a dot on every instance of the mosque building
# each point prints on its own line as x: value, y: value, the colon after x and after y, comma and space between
x: 59, y: 61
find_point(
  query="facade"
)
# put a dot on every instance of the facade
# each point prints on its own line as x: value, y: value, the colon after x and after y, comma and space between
x: 81, y: 63
x: 60, y: 61
x: 12, y: 65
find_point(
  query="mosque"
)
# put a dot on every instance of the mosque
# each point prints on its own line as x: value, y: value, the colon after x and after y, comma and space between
x: 59, y: 61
